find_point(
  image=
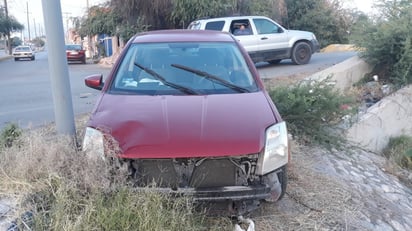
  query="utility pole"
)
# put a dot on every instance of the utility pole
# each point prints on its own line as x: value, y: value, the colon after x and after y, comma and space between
x: 8, y: 27
x: 58, y: 69
x: 35, y: 30
x: 67, y: 25
x: 90, y: 44
x: 28, y: 22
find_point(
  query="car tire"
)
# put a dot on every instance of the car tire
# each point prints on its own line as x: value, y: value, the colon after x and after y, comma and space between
x: 33, y: 58
x: 301, y: 53
x: 275, y: 61
x: 282, y: 179
x: 16, y: 59
x: 84, y: 60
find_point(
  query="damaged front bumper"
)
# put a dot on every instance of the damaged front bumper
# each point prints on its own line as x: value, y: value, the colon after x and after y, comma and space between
x: 218, y: 194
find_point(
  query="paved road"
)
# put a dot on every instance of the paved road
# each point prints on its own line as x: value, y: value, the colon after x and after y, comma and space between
x: 25, y: 91
x: 26, y: 97
x: 318, y: 62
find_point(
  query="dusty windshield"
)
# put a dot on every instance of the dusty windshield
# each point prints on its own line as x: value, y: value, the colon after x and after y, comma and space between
x: 183, y: 68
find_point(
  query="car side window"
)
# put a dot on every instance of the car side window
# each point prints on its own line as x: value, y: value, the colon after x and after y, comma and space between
x: 217, y: 25
x: 241, y: 27
x: 264, y: 26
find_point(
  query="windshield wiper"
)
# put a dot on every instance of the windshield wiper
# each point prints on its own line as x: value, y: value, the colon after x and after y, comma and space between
x: 165, y: 82
x: 212, y: 77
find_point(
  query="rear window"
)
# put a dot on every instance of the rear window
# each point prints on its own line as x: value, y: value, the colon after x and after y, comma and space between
x: 217, y: 25
x: 73, y: 47
x: 23, y: 49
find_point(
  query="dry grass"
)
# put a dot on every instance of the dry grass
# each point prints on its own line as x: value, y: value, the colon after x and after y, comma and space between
x: 45, y: 173
x: 313, y: 200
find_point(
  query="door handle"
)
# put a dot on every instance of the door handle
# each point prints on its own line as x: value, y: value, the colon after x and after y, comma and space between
x: 263, y: 38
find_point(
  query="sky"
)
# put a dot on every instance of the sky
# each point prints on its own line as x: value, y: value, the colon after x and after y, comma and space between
x: 74, y: 8
x: 19, y: 9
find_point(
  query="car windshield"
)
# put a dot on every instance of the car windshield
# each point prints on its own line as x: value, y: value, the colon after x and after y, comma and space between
x: 183, y: 68
x: 73, y: 47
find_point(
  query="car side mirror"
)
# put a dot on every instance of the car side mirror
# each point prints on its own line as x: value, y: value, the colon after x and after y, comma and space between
x: 94, y: 81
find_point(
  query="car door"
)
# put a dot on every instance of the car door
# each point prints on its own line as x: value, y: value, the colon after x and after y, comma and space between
x: 273, y: 39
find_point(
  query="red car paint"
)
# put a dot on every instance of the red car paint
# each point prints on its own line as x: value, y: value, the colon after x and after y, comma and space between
x: 185, y: 126
x: 175, y: 126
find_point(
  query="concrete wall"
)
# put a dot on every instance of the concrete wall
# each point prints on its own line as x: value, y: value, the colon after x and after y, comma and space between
x: 390, y: 117
x: 344, y: 74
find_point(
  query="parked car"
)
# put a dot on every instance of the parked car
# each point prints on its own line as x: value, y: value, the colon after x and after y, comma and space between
x: 264, y: 39
x: 186, y: 109
x: 75, y: 52
x: 23, y: 52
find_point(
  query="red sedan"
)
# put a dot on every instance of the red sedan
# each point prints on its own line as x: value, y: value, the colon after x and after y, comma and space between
x: 187, y: 110
x: 75, y: 52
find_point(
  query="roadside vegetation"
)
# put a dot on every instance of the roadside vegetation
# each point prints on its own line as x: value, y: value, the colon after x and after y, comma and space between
x: 314, y: 112
x: 387, y: 41
x: 399, y: 150
x: 123, y: 18
x: 59, y: 188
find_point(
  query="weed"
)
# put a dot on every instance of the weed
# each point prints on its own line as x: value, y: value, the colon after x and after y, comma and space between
x: 313, y: 111
x: 62, y: 189
x: 9, y: 135
x: 399, y: 150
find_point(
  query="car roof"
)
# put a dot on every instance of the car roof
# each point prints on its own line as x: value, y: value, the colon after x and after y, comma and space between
x: 182, y: 35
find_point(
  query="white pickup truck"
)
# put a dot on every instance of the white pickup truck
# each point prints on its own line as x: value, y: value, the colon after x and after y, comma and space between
x: 264, y: 39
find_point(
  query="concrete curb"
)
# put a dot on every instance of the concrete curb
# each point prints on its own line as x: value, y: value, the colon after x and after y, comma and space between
x: 344, y: 74
x: 339, y: 48
x: 5, y: 57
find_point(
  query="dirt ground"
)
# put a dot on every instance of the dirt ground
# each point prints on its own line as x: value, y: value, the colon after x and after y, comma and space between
x: 321, y: 195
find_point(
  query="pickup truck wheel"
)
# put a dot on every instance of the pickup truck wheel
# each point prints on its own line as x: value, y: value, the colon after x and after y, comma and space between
x: 275, y: 61
x: 282, y: 179
x: 301, y: 53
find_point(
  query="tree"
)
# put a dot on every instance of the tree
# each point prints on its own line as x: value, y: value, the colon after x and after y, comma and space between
x: 100, y: 20
x: 323, y: 17
x: 387, y: 41
x: 7, y: 25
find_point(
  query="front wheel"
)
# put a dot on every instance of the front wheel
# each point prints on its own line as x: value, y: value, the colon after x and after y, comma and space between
x: 301, y: 53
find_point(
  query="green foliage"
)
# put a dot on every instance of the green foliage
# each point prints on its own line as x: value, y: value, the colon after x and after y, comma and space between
x: 38, y: 42
x: 10, y: 25
x: 387, y: 42
x: 128, y: 30
x: 325, y: 18
x: 311, y: 110
x: 100, y: 20
x: 16, y: 41
x: 399, y: 150
x: 9, y: 135
x: 185, y: 11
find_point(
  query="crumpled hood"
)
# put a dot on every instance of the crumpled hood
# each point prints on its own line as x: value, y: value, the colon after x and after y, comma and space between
x: 185, y: 126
